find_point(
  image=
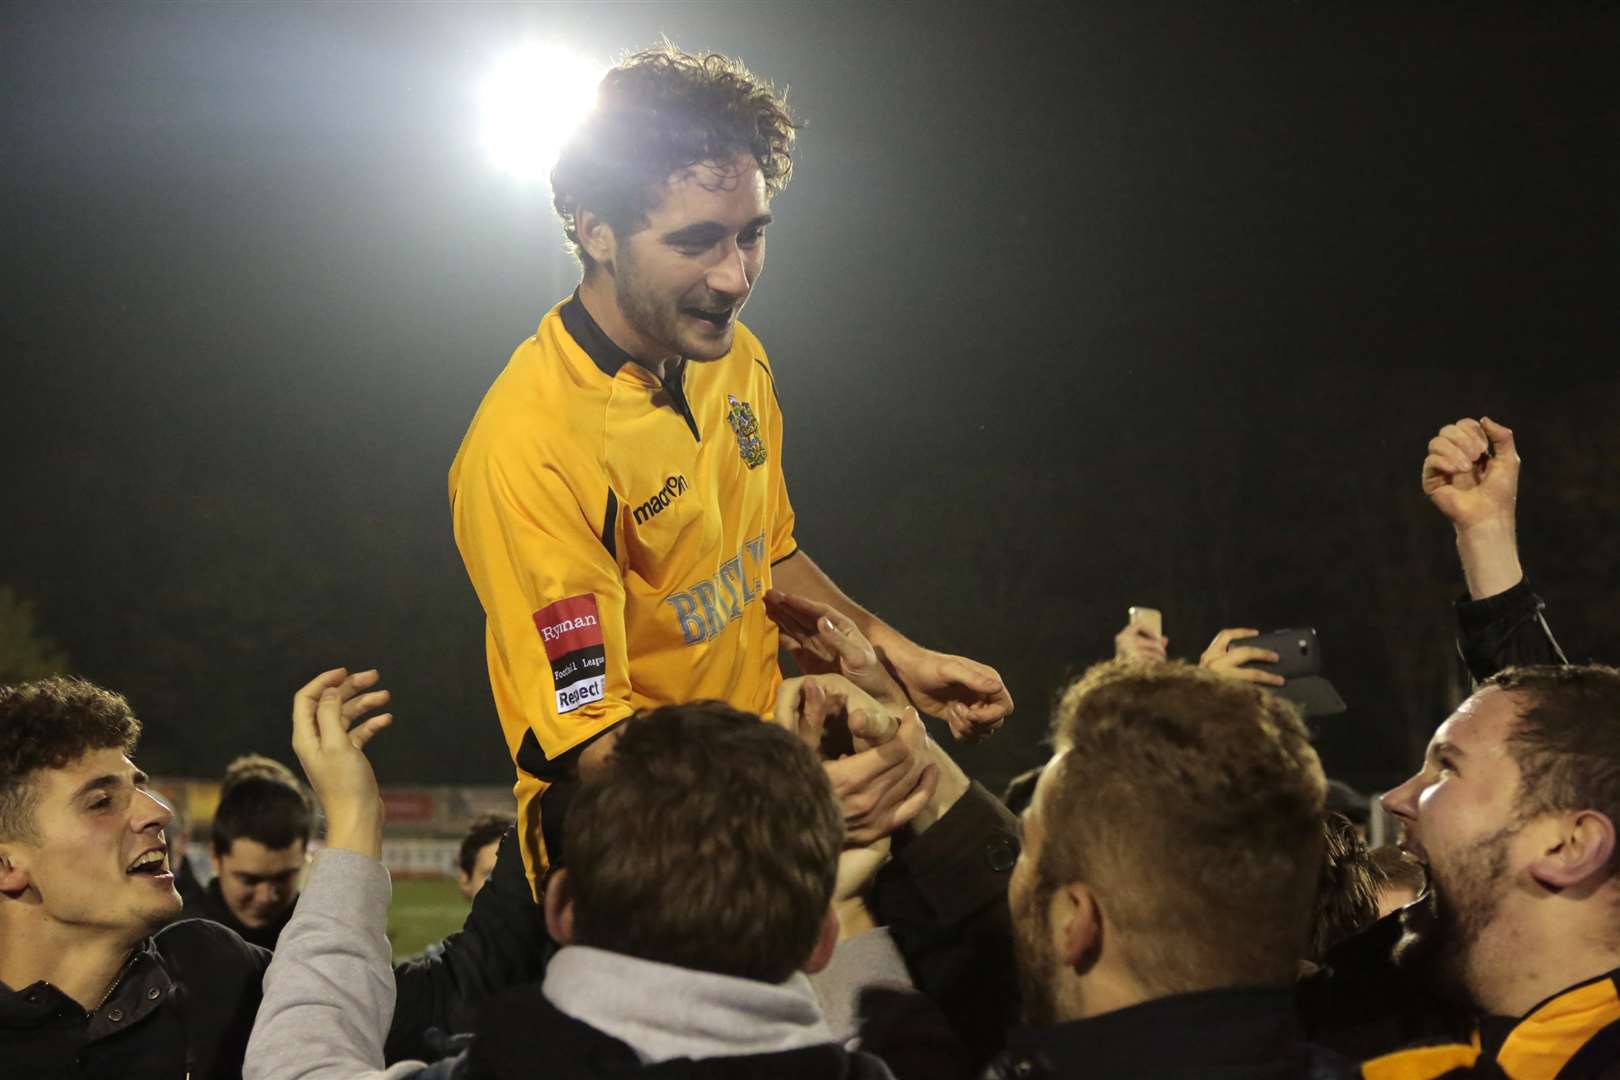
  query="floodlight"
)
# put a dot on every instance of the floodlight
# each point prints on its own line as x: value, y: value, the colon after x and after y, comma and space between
x: 532, y: 100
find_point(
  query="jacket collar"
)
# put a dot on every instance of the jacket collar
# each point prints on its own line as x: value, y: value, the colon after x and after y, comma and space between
x: 143, y: 985
x: 1247, y: 1032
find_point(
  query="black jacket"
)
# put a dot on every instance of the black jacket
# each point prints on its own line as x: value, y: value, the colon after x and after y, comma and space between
x: 943, y: 897
x: 183, y: 1007
x: 186, y: 1003
x: 521, y: 1035
x: 502, y: 944
x: 1250, y: 1034
x: 1505, y: 630
x: 210, y: 904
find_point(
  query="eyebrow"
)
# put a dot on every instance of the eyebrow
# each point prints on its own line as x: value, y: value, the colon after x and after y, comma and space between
x: 707, y: 232
x: 106, y: 783
x: 1443, y: 747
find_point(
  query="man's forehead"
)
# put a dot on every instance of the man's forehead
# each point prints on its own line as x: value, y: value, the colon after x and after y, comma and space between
x: 719, y: 190
x: 1481, y: 723
x: 106, y: 762
x: 251, y: 857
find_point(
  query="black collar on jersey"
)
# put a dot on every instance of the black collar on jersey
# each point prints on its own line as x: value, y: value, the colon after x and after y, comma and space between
x: 590, y: 337
x: 610, y: 358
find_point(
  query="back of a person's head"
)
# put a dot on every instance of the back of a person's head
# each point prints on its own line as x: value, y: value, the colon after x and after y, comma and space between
x: 1566, y: 739
x: 49, y: 724
x: 261, y: 800
x: 1191, y: 805
x: 709, y: 841
x: 1347, y: 895
x: 658, y: 112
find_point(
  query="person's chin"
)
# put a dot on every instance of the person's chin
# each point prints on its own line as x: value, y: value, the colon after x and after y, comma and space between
x: 708, y: 343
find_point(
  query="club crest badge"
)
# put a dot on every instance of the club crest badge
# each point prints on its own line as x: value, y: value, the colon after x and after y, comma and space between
x: 745, y: 425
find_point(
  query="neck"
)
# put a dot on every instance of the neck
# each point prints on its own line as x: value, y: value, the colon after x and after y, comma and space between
x: 1572, y: 941
x: 1103, y: 989
x: 83, y: 966
x: 596, y: 293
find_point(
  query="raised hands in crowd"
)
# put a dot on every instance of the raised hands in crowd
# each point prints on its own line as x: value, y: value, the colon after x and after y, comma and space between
x: 828, y: 894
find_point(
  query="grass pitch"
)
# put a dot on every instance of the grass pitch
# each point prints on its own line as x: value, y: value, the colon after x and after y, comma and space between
x: 425, y: 910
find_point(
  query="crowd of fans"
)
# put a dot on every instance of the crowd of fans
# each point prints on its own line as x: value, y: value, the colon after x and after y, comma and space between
x: 689, y: 888
x: 826, y: 894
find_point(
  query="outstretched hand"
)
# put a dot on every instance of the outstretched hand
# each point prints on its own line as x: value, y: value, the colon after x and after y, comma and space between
x: 1137, y: 642
x: 1223, y: 659
x: 823, y: 640
x: 881, y: 764
x: 967, y: 695
x: 1471, y: 473
x: 329, y: 736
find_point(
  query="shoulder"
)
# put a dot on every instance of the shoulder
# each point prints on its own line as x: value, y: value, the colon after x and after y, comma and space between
x: 202, y: 948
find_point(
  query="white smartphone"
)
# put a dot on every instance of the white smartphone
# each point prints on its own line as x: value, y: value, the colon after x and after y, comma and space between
x: 1150, y: 619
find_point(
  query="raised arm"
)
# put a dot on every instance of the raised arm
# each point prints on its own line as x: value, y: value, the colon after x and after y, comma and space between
x: 1471, y: 475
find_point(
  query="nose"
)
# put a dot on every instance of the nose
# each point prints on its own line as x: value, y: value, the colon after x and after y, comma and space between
x: 1402, y: 801
x: 729, y: 275
x: 149, y: 812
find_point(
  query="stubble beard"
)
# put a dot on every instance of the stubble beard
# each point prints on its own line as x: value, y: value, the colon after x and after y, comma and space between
x: 1440, y: 933
x: 653, y: 319
x: 1037, y: 963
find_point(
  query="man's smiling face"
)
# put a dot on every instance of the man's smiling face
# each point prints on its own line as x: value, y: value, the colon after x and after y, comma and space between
x: 1461, y: 814
x: 680, y: 281
x: 96, y: 857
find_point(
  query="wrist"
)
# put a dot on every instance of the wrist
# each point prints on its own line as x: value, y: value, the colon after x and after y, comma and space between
x: 359, y: 832
x: 1489, y: 551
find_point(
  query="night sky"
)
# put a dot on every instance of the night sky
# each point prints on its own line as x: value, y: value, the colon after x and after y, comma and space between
x: 1070, y: 308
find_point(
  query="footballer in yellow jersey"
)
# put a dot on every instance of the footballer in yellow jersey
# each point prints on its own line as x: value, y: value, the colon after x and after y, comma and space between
x: 618, y: 499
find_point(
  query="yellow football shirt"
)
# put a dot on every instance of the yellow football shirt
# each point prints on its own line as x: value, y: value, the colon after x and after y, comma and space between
x: 620, y: 534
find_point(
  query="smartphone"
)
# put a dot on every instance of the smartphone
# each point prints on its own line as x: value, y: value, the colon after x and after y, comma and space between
x: 1149, y: 619
x: 1298, y: 652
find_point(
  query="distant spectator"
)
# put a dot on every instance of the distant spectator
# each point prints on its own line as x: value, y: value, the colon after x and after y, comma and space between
x: 260, y: 846
x: 1166, y: 889
x: 1347, y: 895
x: 177, y: 836
x: 1402, y: 878
x: 477, y: 856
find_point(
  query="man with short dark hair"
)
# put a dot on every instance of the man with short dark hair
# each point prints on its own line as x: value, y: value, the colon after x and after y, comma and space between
x: 618, y: 499
x: 476, y: 857
x: 259, y: 847
x: 87, y: 984
x: 685, y: 939
x: 1165, y: 892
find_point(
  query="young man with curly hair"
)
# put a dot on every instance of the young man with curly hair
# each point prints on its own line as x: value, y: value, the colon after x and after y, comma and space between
x: 87, y: 984
x: 618, y: 499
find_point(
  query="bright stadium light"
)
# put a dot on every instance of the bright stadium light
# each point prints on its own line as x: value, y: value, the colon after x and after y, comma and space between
x: 531, y: 102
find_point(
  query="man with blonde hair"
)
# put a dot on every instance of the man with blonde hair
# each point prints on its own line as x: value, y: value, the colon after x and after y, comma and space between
x: 1165, y: 892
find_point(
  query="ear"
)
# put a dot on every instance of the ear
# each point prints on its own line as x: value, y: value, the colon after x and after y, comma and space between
x: 596, y: 237
x: 560, y: 908
x: 1077, y: 925
x: 1577, y: 852
x: 826, y: 942
x: 14, y: 879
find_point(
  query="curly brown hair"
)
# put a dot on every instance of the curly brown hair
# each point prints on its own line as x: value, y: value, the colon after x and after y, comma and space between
x: 48, y: 724
x: 661, y: 111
